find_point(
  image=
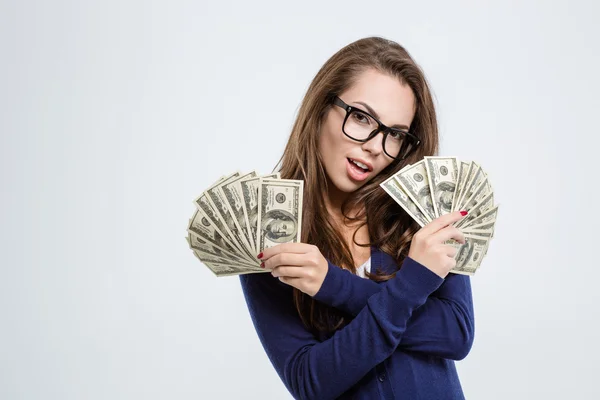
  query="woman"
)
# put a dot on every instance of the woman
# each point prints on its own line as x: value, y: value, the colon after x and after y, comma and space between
x: 329, y: 332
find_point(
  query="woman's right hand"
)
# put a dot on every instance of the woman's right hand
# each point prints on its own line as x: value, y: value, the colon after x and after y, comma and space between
x: 428, y: 247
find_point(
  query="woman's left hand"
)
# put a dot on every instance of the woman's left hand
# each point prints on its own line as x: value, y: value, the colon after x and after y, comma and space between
x: 299, y: 265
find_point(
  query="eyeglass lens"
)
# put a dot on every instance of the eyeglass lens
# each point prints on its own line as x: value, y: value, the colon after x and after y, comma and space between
x: 359, y: 126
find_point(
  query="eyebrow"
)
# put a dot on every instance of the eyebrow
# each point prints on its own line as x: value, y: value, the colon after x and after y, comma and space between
x: 374, y: 113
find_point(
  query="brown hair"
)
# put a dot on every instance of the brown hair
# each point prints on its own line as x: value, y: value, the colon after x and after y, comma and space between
x: 390, y: 227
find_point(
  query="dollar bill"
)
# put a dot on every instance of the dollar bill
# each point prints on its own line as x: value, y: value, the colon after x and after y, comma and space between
x: 203, y: 203
x: 204, y: 257
x: 483, y: 232
x: 482, y: 190
x: 478, y: 176
x: 229, y: 270
x: 222, y: 231
x: 469, y: 256
x: 436, y: 186
x: 487, y: 233
x: 479, y: 194
x: 279, y: 212
x: 204, y: 227
x: 234, y: 201
x: 392, y: 187
x: 415, y: 183
x: 216, y: 199
x: 249, y: 188
x: 443, y: 174
x: 477, y: 210
x: 484, y: 218
x: 485, y: 227
x: 466, y: 169
x: 196, y: 242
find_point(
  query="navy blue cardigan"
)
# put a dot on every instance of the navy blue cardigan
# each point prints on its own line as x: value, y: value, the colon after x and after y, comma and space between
x: 401, y: 343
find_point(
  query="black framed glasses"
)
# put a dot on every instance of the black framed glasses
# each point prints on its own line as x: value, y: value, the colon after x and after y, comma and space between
x: 361, y: 126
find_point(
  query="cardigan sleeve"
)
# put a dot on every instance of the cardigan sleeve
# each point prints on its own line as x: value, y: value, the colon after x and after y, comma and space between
x: 313, y: 369
x: 444, y: 326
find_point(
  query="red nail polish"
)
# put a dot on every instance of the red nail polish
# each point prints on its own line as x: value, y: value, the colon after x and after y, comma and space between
x: 463, y: 213
x: 262, y: 264
x: 260, y: 255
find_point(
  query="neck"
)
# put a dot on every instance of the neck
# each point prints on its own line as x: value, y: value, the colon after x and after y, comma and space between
x: 333, y: 202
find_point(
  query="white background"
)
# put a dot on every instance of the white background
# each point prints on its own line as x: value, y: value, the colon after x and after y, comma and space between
x: 115, y: 115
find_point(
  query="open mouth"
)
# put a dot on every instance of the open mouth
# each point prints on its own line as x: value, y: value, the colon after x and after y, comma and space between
x: 359, y: 166
x: 358, y: 171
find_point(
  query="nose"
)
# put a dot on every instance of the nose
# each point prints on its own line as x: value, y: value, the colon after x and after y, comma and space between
x: 375, y: 145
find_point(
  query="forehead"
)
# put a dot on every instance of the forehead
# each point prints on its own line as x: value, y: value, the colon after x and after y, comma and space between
x: 393, y: 100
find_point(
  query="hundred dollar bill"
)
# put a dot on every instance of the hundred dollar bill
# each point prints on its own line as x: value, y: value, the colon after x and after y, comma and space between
x: 443, y: 174
x: 486, y: 227
x: 204, y: 257
x: 228, y: 270
x: 479, y: 191
x: 465, y: 180
x: 472, y: 203
x: 479, y: 232
x: 419, y: 187
x: 392, y: 188
x: 486, y: 239
x: 279, y: 212
x: 483, y: 188
x: 250, y: 196
x: 203, y: 203
x: 217, y: 200
x: 234, y: 201
x: 416, y: 185
x: 486, y: 221
x: 465, y: 168
x: 469, y: 256
x: 476, y: 179
x: 487, y: 233
x: 477, y: 210
x: 486, y: 217
x: 196, y: 242
x: 205, y: 228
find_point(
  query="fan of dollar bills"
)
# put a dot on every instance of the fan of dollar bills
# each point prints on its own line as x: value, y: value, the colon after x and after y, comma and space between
x: 436, y: 186
x: 241, y: 215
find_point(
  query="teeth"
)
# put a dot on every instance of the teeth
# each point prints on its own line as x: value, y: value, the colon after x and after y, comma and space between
x: 363, y: 166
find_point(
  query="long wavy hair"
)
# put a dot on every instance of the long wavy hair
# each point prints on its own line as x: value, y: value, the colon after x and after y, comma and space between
x: 390, y: 227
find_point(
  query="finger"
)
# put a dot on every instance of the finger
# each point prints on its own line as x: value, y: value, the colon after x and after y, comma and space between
x: 293, y: 259
x: 285, y: 248
x: 449, y: 232
x: 288, y: 271
x: 442, y: 222
x: 451, y: 251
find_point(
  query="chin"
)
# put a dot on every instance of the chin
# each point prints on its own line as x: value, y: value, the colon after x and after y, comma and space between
x: 345, y: 185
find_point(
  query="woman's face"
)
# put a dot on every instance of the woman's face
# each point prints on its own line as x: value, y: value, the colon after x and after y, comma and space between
x: 392, y: 102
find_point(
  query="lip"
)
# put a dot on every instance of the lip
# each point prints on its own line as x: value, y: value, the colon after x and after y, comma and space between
x: 354, y: 173
x: 362, y: 161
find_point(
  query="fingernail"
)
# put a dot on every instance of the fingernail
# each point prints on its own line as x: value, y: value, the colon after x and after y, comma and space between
x: 463, y: 213
x: 262, y: 264
x: 260, y: 255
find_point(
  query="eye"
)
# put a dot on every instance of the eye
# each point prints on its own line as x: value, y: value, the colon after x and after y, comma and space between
x: 360, y: 117
x: 397, y: 135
